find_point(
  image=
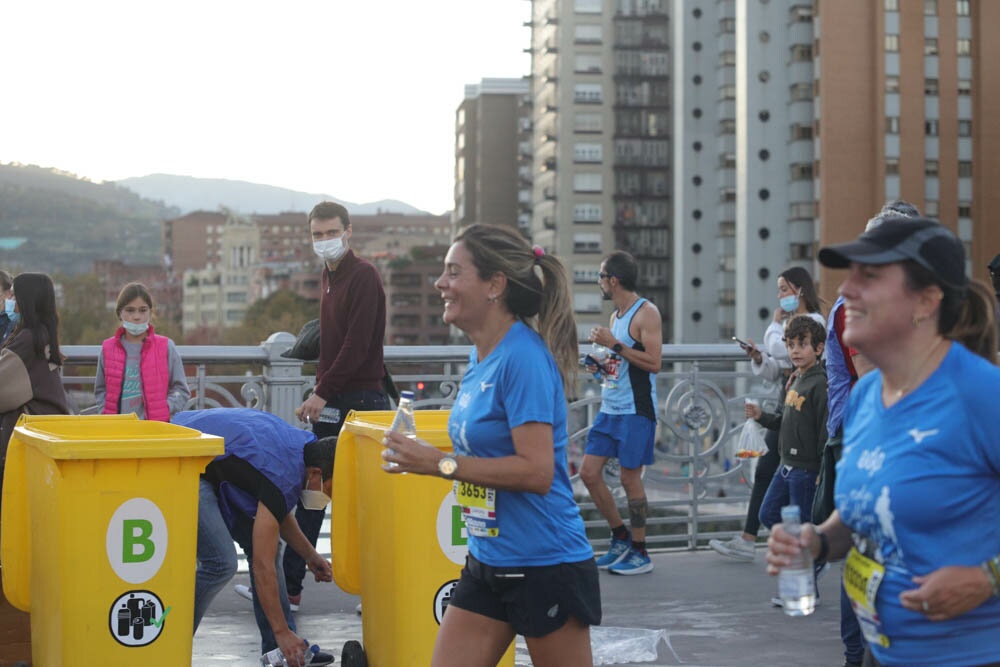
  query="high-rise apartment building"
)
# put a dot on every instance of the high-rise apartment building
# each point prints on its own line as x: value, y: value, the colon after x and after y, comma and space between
x: 601, y: 143
x: 906, y: 108
x: 488, y: 125
x: 815, y: 113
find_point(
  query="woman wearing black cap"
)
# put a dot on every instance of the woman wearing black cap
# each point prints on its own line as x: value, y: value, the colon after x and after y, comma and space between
x: 918, y: 486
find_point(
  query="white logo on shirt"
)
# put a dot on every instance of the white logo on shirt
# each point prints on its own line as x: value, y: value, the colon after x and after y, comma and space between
x: 871, y: 461
x: 483, y: 386
x: 918, y: 435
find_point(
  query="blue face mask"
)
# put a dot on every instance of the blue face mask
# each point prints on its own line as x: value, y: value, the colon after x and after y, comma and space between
x: 789, y: 304
x: 8, y: 308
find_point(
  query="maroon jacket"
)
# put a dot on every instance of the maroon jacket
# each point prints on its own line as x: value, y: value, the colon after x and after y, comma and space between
x: 352, y: 328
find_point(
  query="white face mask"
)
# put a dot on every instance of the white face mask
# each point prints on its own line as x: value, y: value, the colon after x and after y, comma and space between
x: 136, y: 329
x: 330, y: 250
x: 314, y: 500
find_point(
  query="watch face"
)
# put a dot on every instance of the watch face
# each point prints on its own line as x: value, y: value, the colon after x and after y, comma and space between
x: 447, y: 466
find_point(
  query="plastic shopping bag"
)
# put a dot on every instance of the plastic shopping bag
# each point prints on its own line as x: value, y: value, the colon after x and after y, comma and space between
x: 750, y: 446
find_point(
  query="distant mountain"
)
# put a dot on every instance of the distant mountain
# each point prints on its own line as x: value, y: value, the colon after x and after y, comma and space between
x: 54, y: 221
x: 208, y: 194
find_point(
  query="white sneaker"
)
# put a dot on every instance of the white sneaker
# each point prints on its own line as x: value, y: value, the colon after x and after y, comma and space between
x: 736, y: 547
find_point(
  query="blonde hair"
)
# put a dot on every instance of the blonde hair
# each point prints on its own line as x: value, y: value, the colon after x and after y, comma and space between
x: 543, y: 301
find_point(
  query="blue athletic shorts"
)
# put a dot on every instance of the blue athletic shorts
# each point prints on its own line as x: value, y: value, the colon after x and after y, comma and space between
x: 629, y: 438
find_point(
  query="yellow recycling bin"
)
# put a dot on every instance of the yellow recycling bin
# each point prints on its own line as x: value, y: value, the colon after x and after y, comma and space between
x: 397, y: 540
x: 100, y: 525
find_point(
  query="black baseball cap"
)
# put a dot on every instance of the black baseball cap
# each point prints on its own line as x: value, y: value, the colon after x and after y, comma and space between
x: 922, y: 240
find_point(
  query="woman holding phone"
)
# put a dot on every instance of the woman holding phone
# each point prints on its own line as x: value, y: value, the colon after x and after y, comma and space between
x: 796, y: 296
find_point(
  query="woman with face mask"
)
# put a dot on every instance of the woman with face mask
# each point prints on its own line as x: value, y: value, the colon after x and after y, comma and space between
x: 139, y: 371
x: 9, y: 316
x: 796, y: 296
x: 30, y: 383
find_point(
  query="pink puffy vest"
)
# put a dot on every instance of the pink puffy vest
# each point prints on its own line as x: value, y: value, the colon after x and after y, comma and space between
x: 154, y: 368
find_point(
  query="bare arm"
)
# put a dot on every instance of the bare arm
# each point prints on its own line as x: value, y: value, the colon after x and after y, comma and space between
x: 530, y: 469
x: 646, y: 328
x: 299, y: 543
x: 265, y: 582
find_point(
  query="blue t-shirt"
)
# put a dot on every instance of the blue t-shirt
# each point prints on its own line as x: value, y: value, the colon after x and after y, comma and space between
x: 838, y: 375
x: 519, y: 383
x: 921, y: 482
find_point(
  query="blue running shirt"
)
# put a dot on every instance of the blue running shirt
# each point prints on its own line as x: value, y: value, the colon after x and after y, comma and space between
x: 518, y: 383
x: 920, y: 481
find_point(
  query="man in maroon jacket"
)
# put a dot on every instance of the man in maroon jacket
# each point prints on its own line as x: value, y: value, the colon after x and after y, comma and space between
x: 350, y: 368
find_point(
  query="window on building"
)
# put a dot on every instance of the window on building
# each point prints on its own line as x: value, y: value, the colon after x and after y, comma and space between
x: 587, y: 242
x: 802, y: 210
x: 931, y: 127
x: 801, y: 13
x: 587, y: 6
x: 587, y: 63
x: 587, y: 34
x: 964, y: 47
x: 892, y: 166
x: 930, y: 46
x: 800, y: 131
x: 727, y: 58
x: 930, y: 7
x: 964, y: 169
x: 931, y: 208
x: 800, y: 251
x: 587, y: 123
x: 588, y: 213
x: 727, y: 92
x: 589, y: 152
x: 800, y: 53
x: 892, y: 5
x: 965, y: 128
x: 962, y: 7
x: 892, y: 125
x: 727, y: 126
x: 727, y: 161
x: 587, y: 93
x: 801, y: 171
x: 587, y: 182
x: 965, y: 209
x: 931, y: 87
x: 892, y: 43
x: 727, y: 26
x: 965, y: 86
x: 930, y: 167
x: 798, y: 92
x: 892, y: 84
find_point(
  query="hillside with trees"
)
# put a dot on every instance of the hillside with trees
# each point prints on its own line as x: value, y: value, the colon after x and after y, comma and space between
x: 53, y: 221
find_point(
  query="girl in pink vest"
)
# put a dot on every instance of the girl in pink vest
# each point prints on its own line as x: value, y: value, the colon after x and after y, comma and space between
x: 138, y: 370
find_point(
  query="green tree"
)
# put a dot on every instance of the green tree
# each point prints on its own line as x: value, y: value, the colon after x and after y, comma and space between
x: 282, y: 311
x: 84, y: 318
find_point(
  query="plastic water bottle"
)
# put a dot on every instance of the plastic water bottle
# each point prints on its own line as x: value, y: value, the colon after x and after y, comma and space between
x: 404, y: 421
x: 275, y: 658
x: 797, y: 581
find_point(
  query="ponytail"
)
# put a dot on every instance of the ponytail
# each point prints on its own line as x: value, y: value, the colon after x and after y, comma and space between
x: 975, y: 326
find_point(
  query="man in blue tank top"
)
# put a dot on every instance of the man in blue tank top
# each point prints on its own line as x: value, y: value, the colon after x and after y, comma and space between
x: 625, y: 428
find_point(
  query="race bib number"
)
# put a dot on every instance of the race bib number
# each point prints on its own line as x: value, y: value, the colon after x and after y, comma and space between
x: 478, y: 508
x: 862, y: 577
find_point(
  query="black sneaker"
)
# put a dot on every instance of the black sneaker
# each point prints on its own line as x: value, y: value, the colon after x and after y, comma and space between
x: 321, y: 658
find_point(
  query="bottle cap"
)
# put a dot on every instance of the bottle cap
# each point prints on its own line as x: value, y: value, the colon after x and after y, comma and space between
x: 790, y: 511
x: 406, y: 394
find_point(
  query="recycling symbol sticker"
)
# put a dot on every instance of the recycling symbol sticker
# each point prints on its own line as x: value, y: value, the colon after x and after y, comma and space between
x: 137, y: 618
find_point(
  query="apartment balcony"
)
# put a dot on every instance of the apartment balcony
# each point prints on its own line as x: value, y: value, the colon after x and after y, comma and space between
x: 696, y: 487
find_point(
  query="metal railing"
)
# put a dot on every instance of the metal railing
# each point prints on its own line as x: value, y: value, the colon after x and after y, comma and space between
x: 697, y: 489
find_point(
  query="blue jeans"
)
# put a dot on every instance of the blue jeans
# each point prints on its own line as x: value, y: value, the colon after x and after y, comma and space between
x: 311, y: 521
x: 216, y: 552
x: 850, y: 631
x: 217, y: 562
x: 789, y: 486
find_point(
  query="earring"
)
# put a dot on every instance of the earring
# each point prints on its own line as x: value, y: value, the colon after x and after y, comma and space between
x: 916, y: 321
x: 492, y: 298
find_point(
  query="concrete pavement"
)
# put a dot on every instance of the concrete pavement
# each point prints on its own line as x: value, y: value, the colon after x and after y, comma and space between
x: 715, y: 612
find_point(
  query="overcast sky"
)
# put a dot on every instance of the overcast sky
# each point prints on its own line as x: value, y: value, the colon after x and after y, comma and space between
x: 354, y: 98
